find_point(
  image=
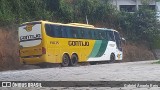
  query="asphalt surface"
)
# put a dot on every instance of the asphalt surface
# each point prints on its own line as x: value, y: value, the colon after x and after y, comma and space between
x: 128, y: 71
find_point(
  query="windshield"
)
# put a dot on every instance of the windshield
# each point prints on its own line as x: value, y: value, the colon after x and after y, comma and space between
x: 30, y: 34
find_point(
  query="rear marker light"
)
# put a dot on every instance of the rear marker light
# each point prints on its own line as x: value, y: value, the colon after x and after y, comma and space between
x: 43, y: 50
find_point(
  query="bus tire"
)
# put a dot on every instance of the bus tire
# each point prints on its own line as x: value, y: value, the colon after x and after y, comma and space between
x: 112, y: 58
x: 65, y: 60
x: 74, y: 60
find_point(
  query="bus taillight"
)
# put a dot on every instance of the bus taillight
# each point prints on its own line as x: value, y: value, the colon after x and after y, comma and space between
x: 43, y: 50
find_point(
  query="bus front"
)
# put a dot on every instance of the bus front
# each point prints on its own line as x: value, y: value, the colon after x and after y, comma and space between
x: 32, y: 50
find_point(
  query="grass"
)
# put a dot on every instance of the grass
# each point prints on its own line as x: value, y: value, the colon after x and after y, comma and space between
x: 158, y: 62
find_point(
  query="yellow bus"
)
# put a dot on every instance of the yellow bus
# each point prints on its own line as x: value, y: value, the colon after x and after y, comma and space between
x: 43, y: 42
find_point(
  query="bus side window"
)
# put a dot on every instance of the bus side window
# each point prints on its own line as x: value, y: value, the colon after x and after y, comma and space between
x: 74, y: 32
x: 56, y: 32
x: 48, y: 30
x: 86, y: 34
x: 79, y: 33
x: 96, y: 35
x: 64, y: 32
x: 107, y: 35
x: 69, y: 34
x: 111, y: 36
x: 102, y: 35
x: 90, y: 34
x: 82, y: 33
x: 53, y: 33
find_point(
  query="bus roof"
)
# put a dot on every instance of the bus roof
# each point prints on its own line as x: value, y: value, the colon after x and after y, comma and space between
x: 107, y: 29
x: 70, y: 24
x: 81, y: 25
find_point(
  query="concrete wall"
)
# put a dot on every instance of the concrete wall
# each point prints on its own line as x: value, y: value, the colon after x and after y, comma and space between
x: 158, y: 6
x: 117, y: 3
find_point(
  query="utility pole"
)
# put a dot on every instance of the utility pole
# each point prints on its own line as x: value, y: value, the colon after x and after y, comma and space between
x: 86, y: 19
x: 136, y: 4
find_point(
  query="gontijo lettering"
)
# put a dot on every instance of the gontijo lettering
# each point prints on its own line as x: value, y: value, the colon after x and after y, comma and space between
x: 78, y: 43
x: 30, y: 37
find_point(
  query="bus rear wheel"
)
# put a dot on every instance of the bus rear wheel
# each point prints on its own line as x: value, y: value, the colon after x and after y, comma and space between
x: 65, y: 60
x: 74, y: 60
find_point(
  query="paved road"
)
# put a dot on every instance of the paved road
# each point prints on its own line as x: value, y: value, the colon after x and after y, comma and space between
x: 129, y: 71
x: 132, y: 71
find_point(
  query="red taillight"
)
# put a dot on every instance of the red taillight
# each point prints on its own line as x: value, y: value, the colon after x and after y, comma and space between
x: 43, y: 50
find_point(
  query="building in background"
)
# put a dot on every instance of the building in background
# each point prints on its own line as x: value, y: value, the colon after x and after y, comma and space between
x: 133, y: 5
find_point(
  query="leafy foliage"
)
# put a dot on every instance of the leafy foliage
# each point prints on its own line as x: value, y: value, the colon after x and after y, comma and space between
x: 141, y: 25
x: 18, y: 11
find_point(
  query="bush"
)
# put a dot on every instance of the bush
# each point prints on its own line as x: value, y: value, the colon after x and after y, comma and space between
x: 141, y: 25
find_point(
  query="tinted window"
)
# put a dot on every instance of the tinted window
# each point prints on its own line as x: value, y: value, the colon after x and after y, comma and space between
x: 90, y: 34
x: 49, y: 30
x: 57, y: 30
x: 117, y: 36
x: 82, y: 33
x: 53, y: 30
x: 111, y: 35
x: 96, y: 35
x: 107, y: 35
x: 85, y: 33
x: 64, y: 32
x: 74, y: 32
x: 102, y: 35
x: 69, y: 32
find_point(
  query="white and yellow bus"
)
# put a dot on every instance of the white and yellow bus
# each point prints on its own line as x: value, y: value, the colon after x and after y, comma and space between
x: 67, y: 44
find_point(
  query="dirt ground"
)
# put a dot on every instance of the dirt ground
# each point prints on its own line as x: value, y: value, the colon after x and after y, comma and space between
x: 137, y: 52
x: 8, y: 49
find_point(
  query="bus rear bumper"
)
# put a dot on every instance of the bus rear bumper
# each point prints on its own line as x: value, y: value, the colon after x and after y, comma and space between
x: 33, y: 60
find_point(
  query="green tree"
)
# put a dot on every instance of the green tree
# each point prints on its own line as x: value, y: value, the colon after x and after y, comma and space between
x: 141, y: 25
x: 6, y: 15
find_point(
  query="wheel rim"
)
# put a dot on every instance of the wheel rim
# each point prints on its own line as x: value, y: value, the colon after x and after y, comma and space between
x: 65, y: 61
x: 74, y: 60
x: 112, y: 58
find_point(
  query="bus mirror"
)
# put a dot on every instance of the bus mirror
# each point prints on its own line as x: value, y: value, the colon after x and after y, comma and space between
x: 123, y: 40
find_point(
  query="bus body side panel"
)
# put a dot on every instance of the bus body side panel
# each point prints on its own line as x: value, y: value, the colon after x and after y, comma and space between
x: 59, y: 46
x: 96, y: 50
x: 108, y: 50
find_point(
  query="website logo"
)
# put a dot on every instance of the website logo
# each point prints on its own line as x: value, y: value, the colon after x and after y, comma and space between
x: 6, y: 84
